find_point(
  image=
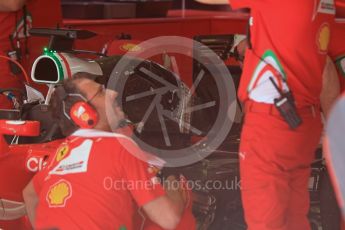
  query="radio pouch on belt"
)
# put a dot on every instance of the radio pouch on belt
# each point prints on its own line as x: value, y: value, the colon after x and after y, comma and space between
x: 286, y: 106
x: 13, y: 67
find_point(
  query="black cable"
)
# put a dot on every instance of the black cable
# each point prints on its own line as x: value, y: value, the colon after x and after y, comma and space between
x: 85, y: 52
x: 25, y: 14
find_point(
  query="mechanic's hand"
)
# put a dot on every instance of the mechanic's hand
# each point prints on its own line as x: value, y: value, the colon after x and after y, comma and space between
x: 176, y: 189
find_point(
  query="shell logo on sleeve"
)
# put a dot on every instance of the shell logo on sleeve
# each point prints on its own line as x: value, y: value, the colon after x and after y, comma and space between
x: 59, y: 193
x: 131, y: 47
x: 260, y: 88
x: 323, y: 38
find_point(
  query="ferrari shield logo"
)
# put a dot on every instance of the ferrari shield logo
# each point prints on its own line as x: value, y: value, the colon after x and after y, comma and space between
x: 61, y: 153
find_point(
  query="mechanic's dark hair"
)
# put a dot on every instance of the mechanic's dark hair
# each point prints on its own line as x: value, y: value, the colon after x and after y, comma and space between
x: 60, y: 95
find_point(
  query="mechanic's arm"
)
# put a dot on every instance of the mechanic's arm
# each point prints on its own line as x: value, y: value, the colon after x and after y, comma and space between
x: 166, y: 211
x: 330, y: 87
x: 213, y: 1
x: 11, y: 5
x: 164, y: 205
x: 31, y: 202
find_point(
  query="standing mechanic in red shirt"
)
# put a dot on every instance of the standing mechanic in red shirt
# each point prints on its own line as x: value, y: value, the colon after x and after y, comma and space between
x: 289, y: 42
x: 9, y: 14
x: 16, y: 18
x: 94, y: 180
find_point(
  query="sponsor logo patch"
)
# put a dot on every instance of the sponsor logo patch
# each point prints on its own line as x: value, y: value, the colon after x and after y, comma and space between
x: 323, y: 38
x: 61, y: 153
x: 323, y: 7
x: 131, y: 47
x: 59, y: 193
x: 76, y: 161
x: 326, y: 7
x: 35, y: 163
x: 81, y: 113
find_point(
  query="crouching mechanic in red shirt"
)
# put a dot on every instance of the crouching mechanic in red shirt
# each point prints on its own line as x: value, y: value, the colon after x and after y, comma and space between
x: 94, y: 181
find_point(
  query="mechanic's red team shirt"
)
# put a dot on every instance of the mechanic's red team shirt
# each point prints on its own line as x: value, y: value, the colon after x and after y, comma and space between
x: 39, y: 13
x: 45, y: 14
x: 293, y: 47
x: 12, y: 37
x: 7, y: 22
x: 337, y: 50
x: 93, y: 182
x: 7, y: 25
x: 7, y: 78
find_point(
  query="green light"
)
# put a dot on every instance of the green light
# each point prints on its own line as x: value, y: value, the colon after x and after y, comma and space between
x: 45, y: 50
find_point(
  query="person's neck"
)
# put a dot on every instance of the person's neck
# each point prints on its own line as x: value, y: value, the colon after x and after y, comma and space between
x: 102, y: 127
